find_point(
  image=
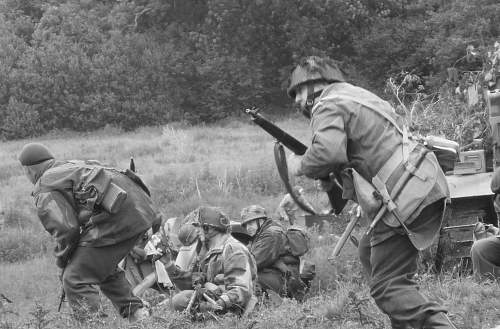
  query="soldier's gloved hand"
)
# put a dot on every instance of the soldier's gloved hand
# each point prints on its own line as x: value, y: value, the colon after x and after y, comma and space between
x: 209, y: 307
x: 294, y: 163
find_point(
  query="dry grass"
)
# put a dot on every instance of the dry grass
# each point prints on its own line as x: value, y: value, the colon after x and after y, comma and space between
x: 229, y: 166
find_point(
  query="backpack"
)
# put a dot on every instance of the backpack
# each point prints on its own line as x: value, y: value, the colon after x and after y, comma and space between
x: 298, y: 241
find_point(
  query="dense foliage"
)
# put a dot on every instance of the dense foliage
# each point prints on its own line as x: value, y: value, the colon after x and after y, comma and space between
x: 80, y: 65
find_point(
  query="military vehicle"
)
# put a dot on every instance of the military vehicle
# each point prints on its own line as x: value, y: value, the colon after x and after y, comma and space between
x: 471, y: 196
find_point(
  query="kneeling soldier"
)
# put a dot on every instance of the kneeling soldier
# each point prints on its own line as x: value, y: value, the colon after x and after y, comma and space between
x: 228, y: 271
x: 95, y: 214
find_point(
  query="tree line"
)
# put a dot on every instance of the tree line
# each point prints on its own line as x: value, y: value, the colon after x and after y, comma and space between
x: 83, y: 64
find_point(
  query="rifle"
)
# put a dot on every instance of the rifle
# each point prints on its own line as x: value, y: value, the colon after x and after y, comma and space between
x: 294, y: 145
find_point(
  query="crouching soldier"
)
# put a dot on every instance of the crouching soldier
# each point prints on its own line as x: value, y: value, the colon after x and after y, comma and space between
x: 278, y: 268
x: 95, y: 214
x: 485, y: 251
x: 228, y: 272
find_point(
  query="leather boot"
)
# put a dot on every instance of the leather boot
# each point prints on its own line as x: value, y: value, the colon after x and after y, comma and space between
x: 438, y: 321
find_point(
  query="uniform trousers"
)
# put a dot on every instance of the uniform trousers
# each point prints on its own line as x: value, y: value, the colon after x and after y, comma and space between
x: 391, y: 265
x: 92, y: 267
x: 485, y: 255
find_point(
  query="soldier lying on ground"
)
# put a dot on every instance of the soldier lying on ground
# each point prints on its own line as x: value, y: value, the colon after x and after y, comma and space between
x: 278, y: 268
x: 228, y: 273
x: 95, y: 214
x: 144, y: 265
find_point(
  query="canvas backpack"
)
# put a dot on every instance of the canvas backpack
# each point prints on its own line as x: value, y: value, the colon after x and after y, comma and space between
x: 298, y: 241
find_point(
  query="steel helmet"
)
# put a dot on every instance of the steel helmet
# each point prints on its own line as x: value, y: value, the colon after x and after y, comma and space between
x: 188, y: 234
x: 34, y: 153
x: 214, y: 217
x: 312, y: 69
x: 252, y: 212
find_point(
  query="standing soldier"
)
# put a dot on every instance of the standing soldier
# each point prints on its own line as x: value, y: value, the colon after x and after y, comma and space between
x: 95, y: 214
x: 289, y: 211
x: 228, y: 271
x: 278, y: 269
x: 355, y: 133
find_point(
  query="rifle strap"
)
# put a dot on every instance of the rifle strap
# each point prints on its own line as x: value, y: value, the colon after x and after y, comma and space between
x: 280, y: 158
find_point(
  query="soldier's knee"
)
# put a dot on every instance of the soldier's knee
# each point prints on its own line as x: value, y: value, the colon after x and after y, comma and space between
x: 479, y: 248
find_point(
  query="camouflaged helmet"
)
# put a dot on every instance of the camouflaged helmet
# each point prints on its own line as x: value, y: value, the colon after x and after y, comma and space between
x: 214, y: 217
x: 252, y: 212
x: 188, y: 234
x: 312, y: 69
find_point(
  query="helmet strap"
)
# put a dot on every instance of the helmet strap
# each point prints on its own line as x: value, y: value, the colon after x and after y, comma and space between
x: 311, y: 98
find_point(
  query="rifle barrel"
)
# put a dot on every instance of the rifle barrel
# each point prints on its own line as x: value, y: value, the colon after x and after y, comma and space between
x: 282, y: 136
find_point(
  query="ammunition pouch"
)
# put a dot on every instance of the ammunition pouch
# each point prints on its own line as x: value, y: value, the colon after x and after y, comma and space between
x: 96, y: 188
x: 389, y: 177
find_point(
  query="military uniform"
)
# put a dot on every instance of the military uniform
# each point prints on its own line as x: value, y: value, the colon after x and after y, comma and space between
x: 89, y: 247
x: 268, y: 247
x: 229, y: 265
x: 290, y: 212
x: 353, y: 128
x: 485, y: 253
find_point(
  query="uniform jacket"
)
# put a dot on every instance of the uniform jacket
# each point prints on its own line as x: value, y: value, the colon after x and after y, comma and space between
x: 231, y: 261
x: 58, y: 209
x: 234, y: 262
x: 348, y: 134
x: 269, y: 246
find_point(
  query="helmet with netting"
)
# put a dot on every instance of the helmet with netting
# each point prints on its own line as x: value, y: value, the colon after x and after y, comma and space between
x: 252, y: 212
x: 188, y: 234
x: 313, y: 69
x: 214, y: 217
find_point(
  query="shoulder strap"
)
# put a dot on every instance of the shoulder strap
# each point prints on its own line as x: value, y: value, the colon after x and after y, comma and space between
x: 403, y: 132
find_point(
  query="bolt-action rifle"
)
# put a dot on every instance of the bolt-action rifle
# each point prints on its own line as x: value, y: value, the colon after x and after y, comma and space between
x: 294, y: 145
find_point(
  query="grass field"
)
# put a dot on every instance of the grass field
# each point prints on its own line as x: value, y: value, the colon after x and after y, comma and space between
x: 228, y: 165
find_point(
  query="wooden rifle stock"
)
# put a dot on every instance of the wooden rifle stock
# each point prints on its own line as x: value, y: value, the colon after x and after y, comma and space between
x: 294, y: 145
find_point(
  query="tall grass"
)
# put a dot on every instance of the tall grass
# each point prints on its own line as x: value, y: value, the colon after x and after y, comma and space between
x: 229, y: 166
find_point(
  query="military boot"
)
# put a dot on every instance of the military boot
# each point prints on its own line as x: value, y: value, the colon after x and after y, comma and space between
x: 438, y: 321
